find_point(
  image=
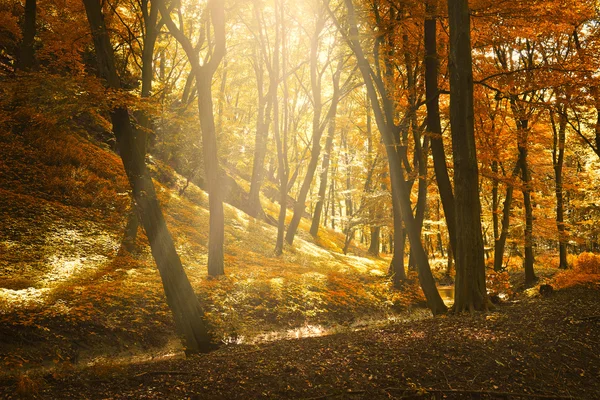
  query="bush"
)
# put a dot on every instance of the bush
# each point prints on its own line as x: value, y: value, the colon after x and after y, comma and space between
x: 498, y: 283
x: 588, y: 263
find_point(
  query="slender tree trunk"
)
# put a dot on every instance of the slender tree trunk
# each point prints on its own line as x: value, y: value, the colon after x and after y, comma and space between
x: 495, y: 202
x: 317, y: 132
x: 221, y: 100
x: 281, y: 144
x: 501, y: 242
x: 203, y: 75
x: 262, y: 129
x: 216, y: 236
x: 397, y: 263
x: 558, y: 155
x: 187, y: 312
x: 526, y: 177
x: 314, y: 228
x: 470, y: 290
x: 26, y: 59
x: 332, y: 199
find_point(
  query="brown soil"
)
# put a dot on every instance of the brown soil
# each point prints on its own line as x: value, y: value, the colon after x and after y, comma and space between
x: 541, y: 347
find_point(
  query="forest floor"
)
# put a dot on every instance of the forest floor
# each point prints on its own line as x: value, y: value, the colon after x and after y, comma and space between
x: 81, y: 319
x: 532, y: 347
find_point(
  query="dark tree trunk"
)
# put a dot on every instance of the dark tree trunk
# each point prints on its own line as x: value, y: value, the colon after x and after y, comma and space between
x: 558, y: 155
x: 150, y: 17
x: 375, y: 242
x: 470, y: 290
x: 526, y: 177
x: 500, y: 243
x: 26, y: 59
x: 130, y: 236
x: 495, y: 202
x: 187, y: 312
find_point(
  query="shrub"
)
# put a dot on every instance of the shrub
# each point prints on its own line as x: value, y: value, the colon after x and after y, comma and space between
x: 498, y: 283
x: 588, y: 263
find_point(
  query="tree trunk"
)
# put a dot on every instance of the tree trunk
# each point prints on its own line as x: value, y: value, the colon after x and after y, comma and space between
x: 470, y: 290
x: 281, y: 144
x: 397, y: 263
x: 558, y: 155
x: 203, y: 75
x: 216, y: 236
x: 375, y: 243
x: 317, y: 132
x: 187, y: 312
x: 525, y: 176
x: 26, y: 58
x: 501, y: 242
x: 495, y: 202
x: 314, y: 228
x: 143, y: 121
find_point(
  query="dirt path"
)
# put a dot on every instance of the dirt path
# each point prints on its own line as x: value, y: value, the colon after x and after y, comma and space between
x: 533, y: 347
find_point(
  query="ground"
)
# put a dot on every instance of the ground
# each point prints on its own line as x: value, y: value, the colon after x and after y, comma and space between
x: 80, y: 318
x: 539, y: 347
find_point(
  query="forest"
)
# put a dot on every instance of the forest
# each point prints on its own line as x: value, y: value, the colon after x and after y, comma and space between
x: 311, y: 199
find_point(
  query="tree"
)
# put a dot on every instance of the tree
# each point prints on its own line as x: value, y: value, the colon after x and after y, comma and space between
x: 382, y: 105
x: 26, y: 58
x: 434, y: 125
x: 318, y: 123
x: 203, y: 73
x: 187, y: 311
x: 470, y: 290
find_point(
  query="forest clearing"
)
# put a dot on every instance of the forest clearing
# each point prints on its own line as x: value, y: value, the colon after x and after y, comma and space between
x: 383, y: 199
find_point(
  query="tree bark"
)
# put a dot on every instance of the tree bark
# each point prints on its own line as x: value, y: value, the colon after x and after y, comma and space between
x: 558, y: 156
x: 525, y: 175
x: 470, y: 290
x: 26, y: 58
x: 281, y: 144
x: 150, y: 17
x: 187, y: 311
x: 500, y: 243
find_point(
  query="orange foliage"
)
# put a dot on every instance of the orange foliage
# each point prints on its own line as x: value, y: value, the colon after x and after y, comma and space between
x: 587, y: 263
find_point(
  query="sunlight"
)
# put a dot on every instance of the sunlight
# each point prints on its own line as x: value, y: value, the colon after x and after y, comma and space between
x: 9, y: 298
x: 63, y: 268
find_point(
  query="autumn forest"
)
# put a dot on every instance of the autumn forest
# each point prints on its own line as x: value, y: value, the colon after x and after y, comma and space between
x: 312, y: 199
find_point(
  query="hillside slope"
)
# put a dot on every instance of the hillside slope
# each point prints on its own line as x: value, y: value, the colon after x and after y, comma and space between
x: 65, y: 283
